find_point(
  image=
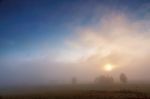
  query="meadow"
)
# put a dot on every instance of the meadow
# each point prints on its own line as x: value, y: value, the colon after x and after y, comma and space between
x: 82, y: 92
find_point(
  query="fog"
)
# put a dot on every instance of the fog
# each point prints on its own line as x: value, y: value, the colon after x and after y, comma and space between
x: 112, y: 36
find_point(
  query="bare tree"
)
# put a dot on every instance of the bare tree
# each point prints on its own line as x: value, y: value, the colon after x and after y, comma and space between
x: 74, y: 80
x: 123, y: 78
x: 104, y: 80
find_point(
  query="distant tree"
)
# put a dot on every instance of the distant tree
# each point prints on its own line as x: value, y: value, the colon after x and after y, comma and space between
x: 74, y: 80
x: 104, y: 80
x: 123, y: 78
x: 112, y: 79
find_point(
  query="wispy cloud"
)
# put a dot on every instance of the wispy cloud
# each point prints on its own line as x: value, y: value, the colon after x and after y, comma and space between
x: 116, y: 39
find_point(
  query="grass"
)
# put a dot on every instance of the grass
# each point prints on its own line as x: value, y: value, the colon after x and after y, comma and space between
x: 84, y: 92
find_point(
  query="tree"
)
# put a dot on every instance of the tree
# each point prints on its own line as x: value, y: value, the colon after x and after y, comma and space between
x: 104, y: 80
x: 123, y: 78
x: 74, y: 80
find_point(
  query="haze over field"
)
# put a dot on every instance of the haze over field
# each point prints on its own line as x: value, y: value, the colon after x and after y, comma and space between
x: 51, y: 41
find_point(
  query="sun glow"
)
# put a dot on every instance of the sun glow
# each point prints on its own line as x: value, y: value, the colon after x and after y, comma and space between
x: 108, y: 67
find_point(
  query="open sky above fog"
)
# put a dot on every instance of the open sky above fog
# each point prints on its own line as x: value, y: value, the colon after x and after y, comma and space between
x: 47, y: 41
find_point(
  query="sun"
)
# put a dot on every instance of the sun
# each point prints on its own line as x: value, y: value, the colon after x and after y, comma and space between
x: 108, y: 67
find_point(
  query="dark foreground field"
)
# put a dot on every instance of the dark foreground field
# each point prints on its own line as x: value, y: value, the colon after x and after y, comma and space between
x: 78, y: 92
x: 83, y: 95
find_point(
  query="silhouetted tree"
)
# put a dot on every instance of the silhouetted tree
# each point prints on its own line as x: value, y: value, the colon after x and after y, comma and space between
x: 123, y: 78
x: 74, y: 80
x: 104, y: 80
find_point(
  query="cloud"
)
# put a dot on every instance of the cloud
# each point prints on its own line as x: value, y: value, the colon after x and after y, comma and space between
x: 101, y: 35
x: 115, y: 39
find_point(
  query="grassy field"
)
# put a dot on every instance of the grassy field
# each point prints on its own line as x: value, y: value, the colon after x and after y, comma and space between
x: 81, y: 92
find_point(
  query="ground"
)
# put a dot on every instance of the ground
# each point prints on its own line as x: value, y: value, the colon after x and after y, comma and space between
x: 83, y: 92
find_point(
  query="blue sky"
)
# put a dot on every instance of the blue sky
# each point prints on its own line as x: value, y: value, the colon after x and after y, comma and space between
x: 33, y: 21
x: 41, y: 29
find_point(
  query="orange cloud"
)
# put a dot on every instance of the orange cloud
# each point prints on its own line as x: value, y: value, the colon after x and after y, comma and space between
x: 115, y: 39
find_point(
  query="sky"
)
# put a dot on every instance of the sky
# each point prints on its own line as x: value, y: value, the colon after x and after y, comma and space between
x: 51, y: 41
